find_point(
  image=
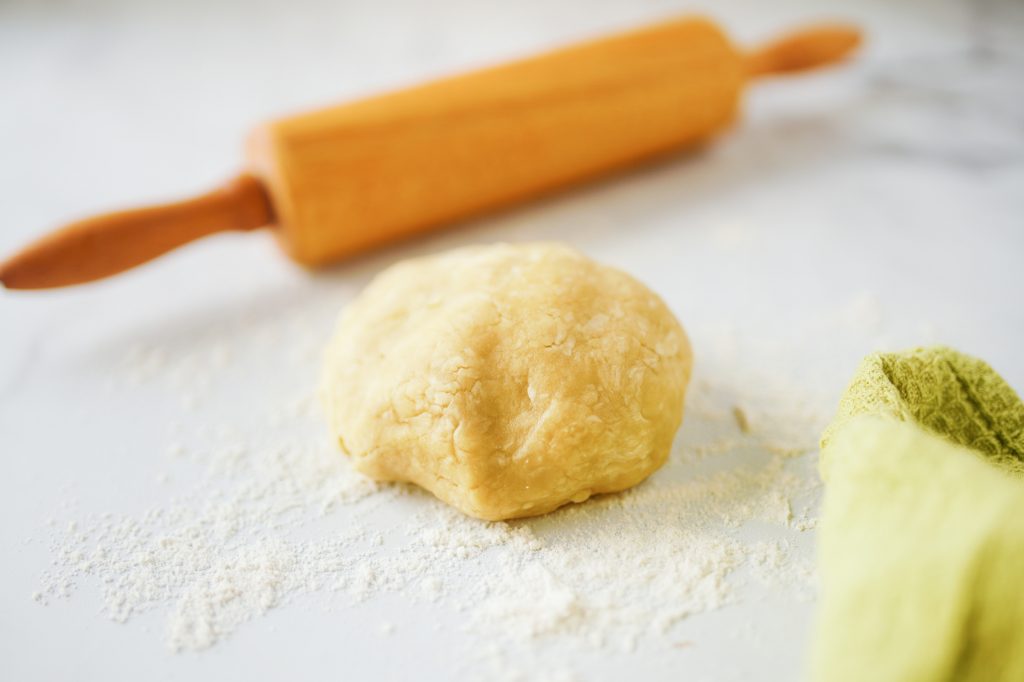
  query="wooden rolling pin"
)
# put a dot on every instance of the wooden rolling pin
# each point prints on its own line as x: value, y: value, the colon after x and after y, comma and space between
x: 339, y: 181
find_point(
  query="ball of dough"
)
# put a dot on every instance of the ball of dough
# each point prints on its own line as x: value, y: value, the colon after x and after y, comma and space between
x: 507, y: 380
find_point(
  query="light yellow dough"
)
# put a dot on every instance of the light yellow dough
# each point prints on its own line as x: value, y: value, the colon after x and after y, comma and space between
x: 508, y: 380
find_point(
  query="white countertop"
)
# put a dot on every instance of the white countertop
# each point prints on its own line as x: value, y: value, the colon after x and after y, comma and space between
x: 880, y: 205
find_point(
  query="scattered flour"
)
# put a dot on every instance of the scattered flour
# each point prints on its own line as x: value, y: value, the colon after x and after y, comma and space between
x: 271, y: 513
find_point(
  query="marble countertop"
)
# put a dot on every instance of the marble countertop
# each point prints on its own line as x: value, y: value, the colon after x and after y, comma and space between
x: 878, y: 205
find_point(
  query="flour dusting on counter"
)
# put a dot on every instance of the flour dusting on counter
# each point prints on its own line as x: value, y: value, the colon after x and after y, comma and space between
x: 270, y: 513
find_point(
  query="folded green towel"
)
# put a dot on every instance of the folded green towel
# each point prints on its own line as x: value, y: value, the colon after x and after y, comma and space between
x: 921, y: 550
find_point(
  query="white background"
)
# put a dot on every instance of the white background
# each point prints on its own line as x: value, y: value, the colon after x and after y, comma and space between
x: 892, y: 188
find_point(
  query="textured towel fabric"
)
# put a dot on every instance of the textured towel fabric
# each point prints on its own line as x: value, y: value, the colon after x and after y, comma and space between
x: 922, y: 533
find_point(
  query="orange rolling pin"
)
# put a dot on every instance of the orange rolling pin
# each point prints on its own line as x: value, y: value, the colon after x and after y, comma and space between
x: 342, y: 180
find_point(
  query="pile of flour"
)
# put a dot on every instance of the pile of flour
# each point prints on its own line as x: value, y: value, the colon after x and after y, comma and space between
x: 263, y: 511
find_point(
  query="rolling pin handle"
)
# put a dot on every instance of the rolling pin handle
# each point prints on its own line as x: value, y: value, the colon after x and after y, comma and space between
x: 105, y: 245
x: 804, y: 49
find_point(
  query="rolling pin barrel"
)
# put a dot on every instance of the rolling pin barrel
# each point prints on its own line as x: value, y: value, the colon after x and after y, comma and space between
x: 361, y: 174
x: 341, y: 180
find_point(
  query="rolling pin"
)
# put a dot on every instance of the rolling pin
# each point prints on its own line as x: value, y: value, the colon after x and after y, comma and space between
x: 339, y: 181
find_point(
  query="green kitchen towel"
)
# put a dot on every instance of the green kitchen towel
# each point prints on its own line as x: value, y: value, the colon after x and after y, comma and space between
x: 921, y: 551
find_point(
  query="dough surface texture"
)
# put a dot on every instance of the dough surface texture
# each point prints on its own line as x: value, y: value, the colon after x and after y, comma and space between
x: 508, y: 380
